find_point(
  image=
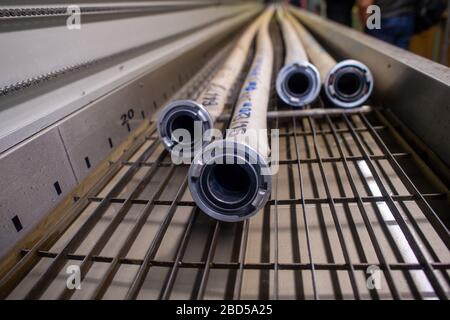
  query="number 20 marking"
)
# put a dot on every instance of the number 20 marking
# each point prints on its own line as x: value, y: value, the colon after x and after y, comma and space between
x: 125, y: 117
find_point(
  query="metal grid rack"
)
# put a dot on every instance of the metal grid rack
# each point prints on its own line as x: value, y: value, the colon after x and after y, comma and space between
x: 348, y: 196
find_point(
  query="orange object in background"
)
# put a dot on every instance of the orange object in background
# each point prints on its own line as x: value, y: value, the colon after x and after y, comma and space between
x: 427, y: 44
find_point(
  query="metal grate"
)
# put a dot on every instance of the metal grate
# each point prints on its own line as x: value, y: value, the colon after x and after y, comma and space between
x: 347, y: 197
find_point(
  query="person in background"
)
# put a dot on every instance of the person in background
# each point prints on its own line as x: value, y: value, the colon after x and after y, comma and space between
x: 340, y: 11
x: 397, y: 20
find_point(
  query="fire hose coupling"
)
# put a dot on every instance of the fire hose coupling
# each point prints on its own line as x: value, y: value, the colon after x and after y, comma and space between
x: 185, y: 115
x: 298, y: 84
x: 230, y: 181
x: 348, y: 84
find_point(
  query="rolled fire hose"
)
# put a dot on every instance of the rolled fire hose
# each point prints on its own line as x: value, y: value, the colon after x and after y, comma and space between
x: 346, y: 84
x: 231, y: 179
x: 298, y: 82
x: 199, y: 115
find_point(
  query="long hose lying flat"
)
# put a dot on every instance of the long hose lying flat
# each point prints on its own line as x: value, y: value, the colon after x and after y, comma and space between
x: 298, y: 81
x: 231, y: 179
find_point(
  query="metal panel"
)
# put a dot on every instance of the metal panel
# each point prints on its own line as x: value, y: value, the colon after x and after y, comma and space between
x: 53, y: 101
x: 30, y: 182
x: 90, y: 135
x: 416, y: 89
x: 56, y: 48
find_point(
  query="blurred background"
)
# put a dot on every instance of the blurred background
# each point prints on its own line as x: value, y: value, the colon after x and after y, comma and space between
x: 420, y: 26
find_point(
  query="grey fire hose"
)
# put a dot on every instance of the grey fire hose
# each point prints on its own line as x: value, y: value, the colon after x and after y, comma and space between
x: 346, y: 84
x: 298, y: 82
x: 231, y: 179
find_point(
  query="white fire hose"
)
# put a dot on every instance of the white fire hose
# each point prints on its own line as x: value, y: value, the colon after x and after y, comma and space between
x: 231, y: 179
x: 298, y: 82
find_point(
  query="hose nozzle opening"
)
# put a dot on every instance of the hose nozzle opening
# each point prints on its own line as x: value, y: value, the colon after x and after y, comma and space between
x: 229, y: 184
x: 298, y: 84
x: 349, y: 84
x: 184, y: 115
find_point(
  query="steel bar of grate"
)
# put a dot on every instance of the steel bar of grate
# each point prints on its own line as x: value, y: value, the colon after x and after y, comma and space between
x: 42, y: 284
x: 276, y: 288
x: 247, y: 266
x: 290, y: 161
x: 340, y: 184
x: 330, y: 255
x: 424, y: 205
x: 334, y: 213
x: 20, y: 270
x: 113, y: 267
x: 409, y: 215
x: 179, y: 256
x: 112, y: 226
x: 423, y: 238
x: 366, y: 199
x: 385, y: 225
x: 242, y: 251
x: 305, y: 218
x: 398, y: 217
x: 361, y: 208
x: 139, y: 278
x: 205, y: 274
x: 326, y: 131
x: 275, y: 36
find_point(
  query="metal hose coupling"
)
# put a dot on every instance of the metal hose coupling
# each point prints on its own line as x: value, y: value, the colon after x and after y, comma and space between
x: 298, y: 84
x: 348, y: 84
x: 184, y: 123
x: 230, y: 181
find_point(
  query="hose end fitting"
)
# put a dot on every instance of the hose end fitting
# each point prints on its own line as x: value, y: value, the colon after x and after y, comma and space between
x: 186, y: 115
x: 298, y: 84
x: 349, y: 84
x: 230, y: 181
